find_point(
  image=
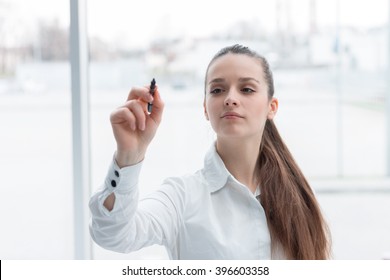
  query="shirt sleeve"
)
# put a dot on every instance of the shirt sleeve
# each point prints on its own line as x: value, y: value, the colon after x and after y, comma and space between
x: 133, y: 224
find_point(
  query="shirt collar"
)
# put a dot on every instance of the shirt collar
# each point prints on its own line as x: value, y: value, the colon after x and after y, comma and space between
x: 257, y: 192
x: 214, y: 171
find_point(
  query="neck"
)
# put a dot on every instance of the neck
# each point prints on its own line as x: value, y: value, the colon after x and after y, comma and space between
x: 240, y: 158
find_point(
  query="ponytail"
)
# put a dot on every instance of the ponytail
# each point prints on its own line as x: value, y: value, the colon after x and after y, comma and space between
x: 293, y: 214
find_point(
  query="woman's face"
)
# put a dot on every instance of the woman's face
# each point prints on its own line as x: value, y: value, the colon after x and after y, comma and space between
x: 236, y: 100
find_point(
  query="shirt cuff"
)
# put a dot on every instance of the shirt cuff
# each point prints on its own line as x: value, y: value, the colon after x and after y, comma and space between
x: 122, y: 179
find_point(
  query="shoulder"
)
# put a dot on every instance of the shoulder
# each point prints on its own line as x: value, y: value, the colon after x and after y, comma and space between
x: 186, y: 182
x: 190, y: 185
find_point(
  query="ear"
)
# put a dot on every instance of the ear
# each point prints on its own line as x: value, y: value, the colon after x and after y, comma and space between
x: 205, y: 110
x: 273, y: 108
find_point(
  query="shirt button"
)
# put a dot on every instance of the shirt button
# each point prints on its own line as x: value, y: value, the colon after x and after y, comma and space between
x: 113, y: 183
x: 116, y: 173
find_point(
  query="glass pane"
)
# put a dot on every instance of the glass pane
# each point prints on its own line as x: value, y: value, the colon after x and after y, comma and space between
x: 35, y: 144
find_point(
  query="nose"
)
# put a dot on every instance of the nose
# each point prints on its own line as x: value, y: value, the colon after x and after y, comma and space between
x: 231, y: 99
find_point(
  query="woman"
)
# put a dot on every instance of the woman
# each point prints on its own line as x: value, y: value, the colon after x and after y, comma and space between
x: 250, y: 200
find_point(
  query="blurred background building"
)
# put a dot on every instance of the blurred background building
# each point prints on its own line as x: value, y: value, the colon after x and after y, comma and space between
x: 331, y: 68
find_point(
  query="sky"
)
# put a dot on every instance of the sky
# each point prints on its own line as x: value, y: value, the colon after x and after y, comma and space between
x: 137, y: 22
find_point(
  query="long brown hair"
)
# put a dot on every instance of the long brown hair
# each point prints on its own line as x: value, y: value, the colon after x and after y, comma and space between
x: 293, y: 215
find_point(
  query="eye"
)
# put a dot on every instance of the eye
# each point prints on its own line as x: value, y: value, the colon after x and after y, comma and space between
x: 247, y: 90
x: 215, y: 90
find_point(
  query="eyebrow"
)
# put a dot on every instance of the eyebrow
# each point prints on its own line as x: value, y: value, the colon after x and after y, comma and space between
x: 217, y: 80
x: 243, y: 79
x: 247, y: 79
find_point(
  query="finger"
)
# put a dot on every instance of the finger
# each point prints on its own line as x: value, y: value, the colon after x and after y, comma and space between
x: 140, y: 93
x: 137, y: 108
x: 158, y: 107
x: 123, y: 115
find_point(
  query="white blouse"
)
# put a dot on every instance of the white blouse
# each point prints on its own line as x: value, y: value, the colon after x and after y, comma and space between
x: 207, y: 215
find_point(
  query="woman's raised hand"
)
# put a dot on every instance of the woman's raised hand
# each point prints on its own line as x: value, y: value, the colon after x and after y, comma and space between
x: 133, y: 127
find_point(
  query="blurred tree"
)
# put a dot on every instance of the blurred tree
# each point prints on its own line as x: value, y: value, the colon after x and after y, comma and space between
x: 53, y: 41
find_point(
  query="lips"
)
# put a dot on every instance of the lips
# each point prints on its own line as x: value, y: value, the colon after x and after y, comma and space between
x: 231, y: 115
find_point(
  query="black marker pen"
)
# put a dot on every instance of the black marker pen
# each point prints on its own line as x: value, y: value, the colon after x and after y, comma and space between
x: 151, y: 91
